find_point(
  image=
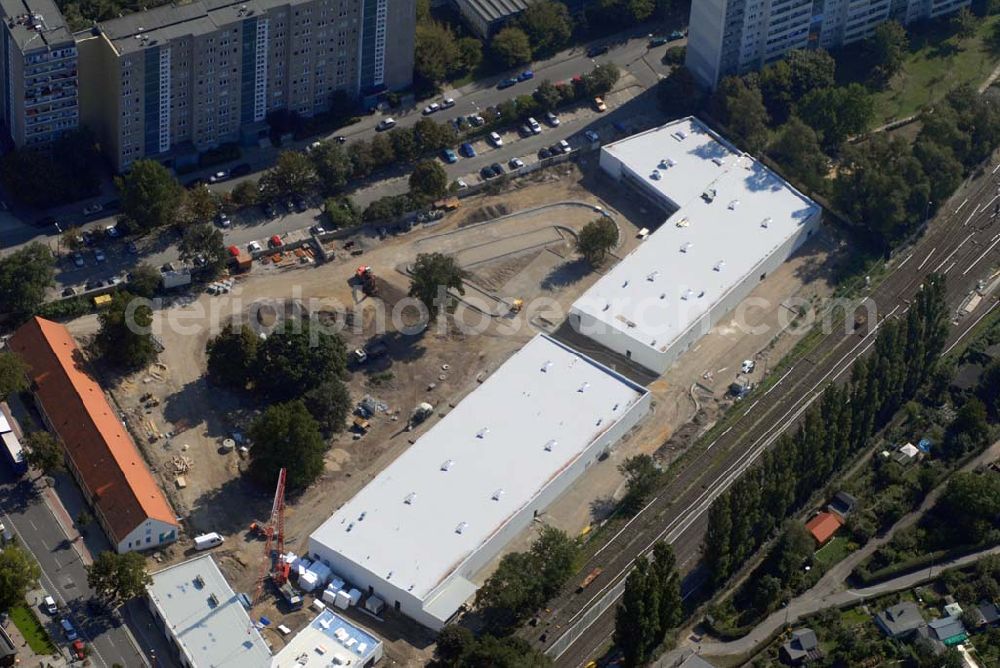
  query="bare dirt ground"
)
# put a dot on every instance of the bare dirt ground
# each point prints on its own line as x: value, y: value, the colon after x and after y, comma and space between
x: 181, y: 421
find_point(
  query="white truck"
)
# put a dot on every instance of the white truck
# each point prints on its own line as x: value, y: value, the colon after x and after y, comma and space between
x: 176, y: 278
x: 207, y: 541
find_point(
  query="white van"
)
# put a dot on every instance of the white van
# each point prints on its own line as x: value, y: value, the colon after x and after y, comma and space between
x: 207, y: 541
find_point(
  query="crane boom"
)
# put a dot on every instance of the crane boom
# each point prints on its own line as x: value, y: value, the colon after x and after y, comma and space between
x: 275, y: 529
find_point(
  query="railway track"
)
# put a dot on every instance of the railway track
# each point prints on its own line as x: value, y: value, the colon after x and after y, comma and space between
x: 962, y: 243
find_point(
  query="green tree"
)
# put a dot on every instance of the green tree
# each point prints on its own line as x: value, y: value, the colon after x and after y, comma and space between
x: 740, y: 108
x: 298, y: 358
x: 433, y: 136
x: 796, y: 148
x: 18, y: 573
x: 25, y: 275
x: 784, y: 82
x: 555, y: 553
x: 470, y: 53
x: 329, y: 404
x: 435, y: 52
x: 332, y: 165
x: 679, y: 93
x: 245, y: 193
x: 125, y: 338
x: 200, y: 205
x: 887, y: 51
x: 64, y: 172
x: 204, y: 240
x: 13, y: 375
x: 641, y: 477
x: 428, y: 180
x: 292, y: 174
x: 433, y: 274
x: 232, y: 355
x: 601, y: 79
x: 362, y: 160
x: 402, y: 145
x: 943, y: 169
x: 453, y: 643
x: 547, y: 25
x: 547, y: 96
x: 338, y: 213
x: 664, y: 574
x: 596, y: 238
x: 144, y: 280
x: 969, y: 432
x: 118, y: 578
x: 150, y: 195
x: 837, y: 113
x: 717, y: 539
x: 971, y: 504
x: 286, y: 436
x: 44, y: 452
x: 637, y: 624
x: 640, y: 10
x: 511, y: 591
x: 964, y: 22
x: 508, y: 652
x: 511, y: 47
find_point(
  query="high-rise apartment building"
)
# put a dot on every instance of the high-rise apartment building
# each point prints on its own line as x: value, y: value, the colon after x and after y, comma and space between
x: 38, y: 73
x: 174, y: 81
x: 734, y: 36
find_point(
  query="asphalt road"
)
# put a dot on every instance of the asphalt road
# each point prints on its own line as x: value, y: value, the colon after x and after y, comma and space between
x: 961, y: 243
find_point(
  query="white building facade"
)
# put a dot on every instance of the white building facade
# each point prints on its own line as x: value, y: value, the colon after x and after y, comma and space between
x: 730, y: 221
x: 735, y: 36
x: 418, y: 533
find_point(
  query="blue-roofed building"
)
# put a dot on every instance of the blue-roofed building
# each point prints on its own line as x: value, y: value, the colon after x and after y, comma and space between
x: 329, y: 640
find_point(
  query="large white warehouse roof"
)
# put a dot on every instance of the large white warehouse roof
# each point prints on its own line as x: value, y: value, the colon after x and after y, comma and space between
x: 731, y: 213
x: 416, y: 523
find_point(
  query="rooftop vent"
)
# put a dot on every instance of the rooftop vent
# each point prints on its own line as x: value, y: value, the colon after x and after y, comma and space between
x: 199, y: 581
x: 686, y: 246
x: 625, y: 284
x: 765, y: 223
x: 606, y: 307
x: 720, y: 265
x: 447, y: 464
x: 683, y: 222
x: 680, y: 135
x: 213, y: 601
x: 719, y: 161
x: 550, y: 446
x: 388, y: 575
x: 583, y: 388
x: 350, y: 526
x: 410, y: 498
x: 497, y: 494
x: 361, y: 517
x: 663, y: 295
x: 709, y: 195
x: 732, y: 205
x: 462, y: 526
x: 688, y: 294
x: 652, y: 275
x: 655, y: 175
x: 599, y: 421
x: 482, y: 432
x: 547, y: 366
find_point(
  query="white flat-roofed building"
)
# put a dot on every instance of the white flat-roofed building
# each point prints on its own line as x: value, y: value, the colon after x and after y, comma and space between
x: 329, y: 640
x: 418, y: 532
x: 202, y: 617
x: 731, y: 222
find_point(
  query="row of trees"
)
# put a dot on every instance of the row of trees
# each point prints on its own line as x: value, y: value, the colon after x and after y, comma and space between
x: 300, y: 371
x: 651, y: 606
x: 25, y: 275
x: 833, y: 430
x: 458, y: 647
x: 65, y: 173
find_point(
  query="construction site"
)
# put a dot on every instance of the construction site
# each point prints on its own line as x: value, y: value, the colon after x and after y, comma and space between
x: 517, y: 244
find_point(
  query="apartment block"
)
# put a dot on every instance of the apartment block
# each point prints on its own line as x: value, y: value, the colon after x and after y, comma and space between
x: 735, y: 36
x: 174, y: 81
x: 38, y: 73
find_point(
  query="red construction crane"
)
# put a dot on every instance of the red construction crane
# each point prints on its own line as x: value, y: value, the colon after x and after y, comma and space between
x: 274, y: 534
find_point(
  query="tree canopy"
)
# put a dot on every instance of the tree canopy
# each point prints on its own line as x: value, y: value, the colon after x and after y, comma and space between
x: 740, y: 107
x: 650, y: 607
x: 204, y: 241
x: 887, y: 51
x: 292, y: 174
x: 18, y: 572
x: 63, y: 173
x: 144, y: 280
x: 25, y: 275
x: 329, y: 404
x: 13, y: 374
x: 796, y: 147
x: 124, y: 338
x: 428, y: 180
x: 151, y: 197
x: 297, y: 358
x: 596, y: 238
x: 232, y: 355
x: 332, y: 165
x: 547, y: 25
x: 432, y: 275
x: 285, y: 435
x: 44, y: 452
x: 511, y: 46
x: 837, y: 113
x: 118, y: 578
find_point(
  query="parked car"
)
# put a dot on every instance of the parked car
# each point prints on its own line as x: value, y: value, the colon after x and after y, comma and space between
x: 447, y: 103
x: 564, y: 146
x: 677, y: 34
x: 241, y: 169
x: 93, y: 284
x: 317, y: 230
x: 461, y: 184
x: 544, y: 153
x: 275, y: 241
x: 222, y: 220
x: 254, y: 247
x: 495, y: 139
x: 467, y: 150
x: 111, y: 232
x: 506, y: 83
x: 599, y: 104
x: 748, y: 366
x: 385, y: 124
x: 600, y: 50
x: 68, y: 629
x: 300, y: 203
x: 89, y: 239
x: 515, y: 163
x: 268, y: 209
x: 591, y: 136
x: 526, y: 75
x: 476, y: 120
x: 497, y: 169
x: 524, y: 131
x: 657, y: 41
x: 49, y: 605
x: 486, y: 172
x: 79, y: 650
x: 78, y: 259
x: 219, y: 176
x: 91, y: 209
x: 449, y: 156
x: 99, y: 255
x: 431, y: 108
x: 68, y: 292
x: 340, y: 139
x: 551, y: 119
x: 536, y: 129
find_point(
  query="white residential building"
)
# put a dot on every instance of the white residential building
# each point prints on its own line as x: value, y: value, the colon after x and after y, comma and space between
x: 423, y: 527
x: 729, y: 222
x: 734, y: 36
